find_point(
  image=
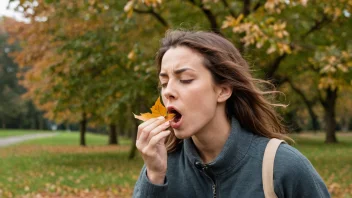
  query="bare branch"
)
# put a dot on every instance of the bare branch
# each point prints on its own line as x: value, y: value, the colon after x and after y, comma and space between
x: 257, y: 5
x: 299, y: 92
x: 226, y: 5
x: 141, y: 11
x: 210, y: 16
x: 311, y: 66
x: 275, y: 66
x: 246, y: 7
x: 309, y: 103
x: 153, y: 13
x: 317, y: 26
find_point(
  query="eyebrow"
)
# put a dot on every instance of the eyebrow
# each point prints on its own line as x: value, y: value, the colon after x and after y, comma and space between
x: 178, y: 71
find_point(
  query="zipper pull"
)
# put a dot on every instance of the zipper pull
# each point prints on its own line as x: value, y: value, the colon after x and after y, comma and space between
x: 214, y: 191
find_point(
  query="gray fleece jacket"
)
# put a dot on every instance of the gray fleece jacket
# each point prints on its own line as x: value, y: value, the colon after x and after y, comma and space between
x: 236, y: 172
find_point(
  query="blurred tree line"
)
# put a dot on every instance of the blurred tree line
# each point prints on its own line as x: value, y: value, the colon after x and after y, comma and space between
x: 15, y: 112
x: 91, y: 62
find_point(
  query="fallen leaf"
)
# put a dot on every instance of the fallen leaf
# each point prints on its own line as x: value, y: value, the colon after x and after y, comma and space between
x: 157, y: 110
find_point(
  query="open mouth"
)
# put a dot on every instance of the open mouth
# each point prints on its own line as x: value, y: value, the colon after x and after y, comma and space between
x: 177, y: 115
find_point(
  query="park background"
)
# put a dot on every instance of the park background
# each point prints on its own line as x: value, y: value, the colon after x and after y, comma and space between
x: 78, y: 69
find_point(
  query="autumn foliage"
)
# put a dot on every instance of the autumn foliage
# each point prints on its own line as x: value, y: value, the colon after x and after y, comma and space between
x: 93, y: 60
x: 157, y: 110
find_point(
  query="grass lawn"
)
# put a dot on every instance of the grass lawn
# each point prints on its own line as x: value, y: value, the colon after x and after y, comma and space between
x: 332, y: 161
x: 9, y: 132
x: 71, y: 138
x: 58, y: 167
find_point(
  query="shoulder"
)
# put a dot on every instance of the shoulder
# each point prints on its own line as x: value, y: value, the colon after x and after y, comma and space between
x: 257, y: 147
x: 286, y: 155
x: 295, y: 176
x: 289, y: 161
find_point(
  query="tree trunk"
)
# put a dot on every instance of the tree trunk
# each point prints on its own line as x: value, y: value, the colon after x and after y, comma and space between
x: 33, y: 123
x: 274, y: 66
x: 309, y: 104
x: 122, y: 128
x: 112, y: 135
x: 315, y: 123
x: 246, y: 7
x: 133, y: 145
x: 3, y: 124
x: 37, y: 121
x: 330, y: 121
x: 67, y: 127
x: 41, y: 122
x: 82, y: 129
x: 118, y: 130
x: 20, y: 121
x: 344, y: 124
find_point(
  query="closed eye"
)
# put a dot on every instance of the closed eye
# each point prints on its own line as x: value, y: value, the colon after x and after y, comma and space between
x: 164, y: 85
x: 186, y: 81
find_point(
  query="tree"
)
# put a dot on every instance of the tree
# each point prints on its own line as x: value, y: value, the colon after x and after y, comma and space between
x: 11, y: 104
x: 82, y: 62
x: 308, y: 32
x: 86, y: 55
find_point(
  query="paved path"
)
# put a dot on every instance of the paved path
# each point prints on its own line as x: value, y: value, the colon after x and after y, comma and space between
x: 16, y: 139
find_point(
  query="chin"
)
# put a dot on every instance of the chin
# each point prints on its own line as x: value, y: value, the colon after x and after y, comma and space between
x: 181, y: 134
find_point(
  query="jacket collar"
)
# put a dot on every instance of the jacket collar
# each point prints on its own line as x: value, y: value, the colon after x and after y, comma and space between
x: 232, y: 153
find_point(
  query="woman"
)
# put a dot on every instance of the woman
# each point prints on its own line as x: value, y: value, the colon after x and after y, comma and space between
x: 221, y: 127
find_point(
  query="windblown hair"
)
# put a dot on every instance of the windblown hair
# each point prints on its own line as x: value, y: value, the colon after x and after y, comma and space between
x: 247, y: 103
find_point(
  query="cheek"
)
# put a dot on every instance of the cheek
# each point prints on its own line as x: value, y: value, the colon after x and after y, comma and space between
x: 203, y: 92
x: 203, y: 100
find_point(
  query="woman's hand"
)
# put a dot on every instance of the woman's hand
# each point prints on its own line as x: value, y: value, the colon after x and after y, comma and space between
x: 150, y: 142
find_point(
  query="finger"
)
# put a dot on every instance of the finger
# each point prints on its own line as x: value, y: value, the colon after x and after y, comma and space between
x: 157, y: 130
x: 144, y: 133
x: 143, y: 125
x: 151, y: 150
x: 158, y: 137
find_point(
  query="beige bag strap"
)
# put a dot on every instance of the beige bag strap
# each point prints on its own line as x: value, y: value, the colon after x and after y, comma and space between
x: 268, y: 167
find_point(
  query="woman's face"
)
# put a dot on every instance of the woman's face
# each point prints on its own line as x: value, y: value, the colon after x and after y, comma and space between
x: 188, y: 89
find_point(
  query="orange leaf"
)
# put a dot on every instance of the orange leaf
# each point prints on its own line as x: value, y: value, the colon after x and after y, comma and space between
x: 157, y: 110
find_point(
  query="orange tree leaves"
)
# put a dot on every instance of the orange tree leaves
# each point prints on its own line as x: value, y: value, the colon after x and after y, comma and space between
x: 76, y: 59
x: 294, y: 30
x: 158, y: 110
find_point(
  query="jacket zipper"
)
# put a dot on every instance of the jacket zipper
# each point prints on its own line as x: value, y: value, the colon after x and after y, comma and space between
x: 214, y: 191
x: 210, y: 174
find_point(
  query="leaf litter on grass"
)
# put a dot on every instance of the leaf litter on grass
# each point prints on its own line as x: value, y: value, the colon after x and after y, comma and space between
x: 68, y: 192
x: 67, y: 171
x: 332, y: 161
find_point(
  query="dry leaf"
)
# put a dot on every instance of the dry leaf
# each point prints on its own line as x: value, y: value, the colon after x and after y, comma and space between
x: 157, y: 110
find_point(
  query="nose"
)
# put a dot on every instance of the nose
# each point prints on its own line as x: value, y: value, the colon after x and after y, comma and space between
x: 169, y: 92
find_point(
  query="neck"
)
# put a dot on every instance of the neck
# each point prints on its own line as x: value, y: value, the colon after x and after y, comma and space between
x: 212, y: 138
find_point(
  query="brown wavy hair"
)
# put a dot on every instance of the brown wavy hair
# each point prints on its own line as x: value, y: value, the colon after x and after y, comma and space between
x: 247, y: 103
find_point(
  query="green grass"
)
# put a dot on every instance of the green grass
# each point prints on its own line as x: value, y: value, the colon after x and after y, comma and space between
x: 332, y: 161
x: 9, y: 132
x: 63, y: 138
x: 58, y: 165
x: 69, y: 138
x: 48, y: 172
